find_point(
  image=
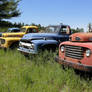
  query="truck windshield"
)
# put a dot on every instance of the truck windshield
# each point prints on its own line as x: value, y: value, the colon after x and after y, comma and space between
x: 52, y: 29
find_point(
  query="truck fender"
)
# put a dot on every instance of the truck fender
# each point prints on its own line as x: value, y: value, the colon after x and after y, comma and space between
x: 49, y: 46
x: 14, y: 45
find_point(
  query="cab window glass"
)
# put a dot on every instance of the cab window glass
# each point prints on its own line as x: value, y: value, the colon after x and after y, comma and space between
x: 65, y: 30
x: 30, y: 30
x: 34, y: 31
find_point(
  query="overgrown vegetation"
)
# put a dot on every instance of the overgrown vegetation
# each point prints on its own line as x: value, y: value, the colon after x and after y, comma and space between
x: 38, y: 74
x: 77, y: 30
x: 8, y: 10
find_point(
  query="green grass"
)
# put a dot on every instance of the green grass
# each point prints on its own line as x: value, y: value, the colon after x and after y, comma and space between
x: 3, y: 29
x: 39, y: 74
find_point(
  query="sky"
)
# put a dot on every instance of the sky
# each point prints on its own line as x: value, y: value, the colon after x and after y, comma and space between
x: 76, y: 13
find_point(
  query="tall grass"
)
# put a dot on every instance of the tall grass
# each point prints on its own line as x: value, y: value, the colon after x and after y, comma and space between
x: 40, y: 73
x: 3, y: 29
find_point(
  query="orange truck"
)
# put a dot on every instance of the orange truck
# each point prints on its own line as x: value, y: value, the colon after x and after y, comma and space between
x: 77, y: 53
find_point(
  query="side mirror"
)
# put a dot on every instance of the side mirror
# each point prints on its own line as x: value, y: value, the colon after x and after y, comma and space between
x: 68, y: 30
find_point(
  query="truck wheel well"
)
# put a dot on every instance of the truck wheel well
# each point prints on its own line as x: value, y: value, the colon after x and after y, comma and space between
x: 14, y: 45
x: 49, y: 47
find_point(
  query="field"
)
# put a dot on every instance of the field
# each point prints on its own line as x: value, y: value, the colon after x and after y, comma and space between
x: 3, y: 29
x: 38, y: 73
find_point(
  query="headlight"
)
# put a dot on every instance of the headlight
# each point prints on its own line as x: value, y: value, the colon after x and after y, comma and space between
x: 62, y: 48
x: 31, y: 46
x: 2, y: 41
x: 20, y: 44
x: 88, y: 53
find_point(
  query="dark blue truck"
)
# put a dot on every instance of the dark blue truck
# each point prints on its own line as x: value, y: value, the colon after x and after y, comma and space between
x: 50, y: 39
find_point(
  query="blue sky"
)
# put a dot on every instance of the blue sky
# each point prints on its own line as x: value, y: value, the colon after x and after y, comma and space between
x: 76, y: 13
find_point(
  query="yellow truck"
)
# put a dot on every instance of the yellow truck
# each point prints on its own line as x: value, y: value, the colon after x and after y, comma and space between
x: 11, y: 39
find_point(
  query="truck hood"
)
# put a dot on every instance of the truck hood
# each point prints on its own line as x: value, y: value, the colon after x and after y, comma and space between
x: 39, y: 36
x: 81, y: 37
x: 19, y: 34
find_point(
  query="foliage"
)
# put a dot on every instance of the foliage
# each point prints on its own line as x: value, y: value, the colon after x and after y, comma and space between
x: 40, y: 27
x: 77, y: 30
x: 89, y: 27
x: 4, y: 25
x: 8, y: 9
x: 38, y: 74
x: 18, y: 24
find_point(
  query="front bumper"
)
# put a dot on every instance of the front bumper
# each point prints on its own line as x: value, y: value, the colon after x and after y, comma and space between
x: 27, y: 51
x: 78, y: 66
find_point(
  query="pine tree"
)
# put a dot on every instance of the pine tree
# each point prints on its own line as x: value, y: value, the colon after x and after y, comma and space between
x: 8, y: 9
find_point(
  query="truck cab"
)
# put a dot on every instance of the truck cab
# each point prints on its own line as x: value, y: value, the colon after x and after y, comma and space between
x: 77, y: 53
x: 49, y: 40
x: 11, y: 39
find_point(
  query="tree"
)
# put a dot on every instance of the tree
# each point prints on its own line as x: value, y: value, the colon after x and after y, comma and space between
x: 8, y: 9
x: 89, y: 27
x: 77, y: 30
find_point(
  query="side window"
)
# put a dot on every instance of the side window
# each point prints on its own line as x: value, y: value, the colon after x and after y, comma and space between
x: 30, y: 30
x: 65, y: 30
x: 34, y: 30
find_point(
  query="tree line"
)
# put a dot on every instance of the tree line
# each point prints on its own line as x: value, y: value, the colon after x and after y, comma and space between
x: 9, y: 9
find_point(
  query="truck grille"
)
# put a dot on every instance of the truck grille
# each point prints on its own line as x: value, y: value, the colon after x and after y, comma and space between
x: 26, y: 41
x: 26, y: 47
x: 75, y: 52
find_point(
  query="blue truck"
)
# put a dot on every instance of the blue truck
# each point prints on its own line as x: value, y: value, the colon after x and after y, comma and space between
x: 51, y: 38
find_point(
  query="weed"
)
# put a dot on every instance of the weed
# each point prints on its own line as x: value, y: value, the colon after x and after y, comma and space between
x: 39, y: 73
